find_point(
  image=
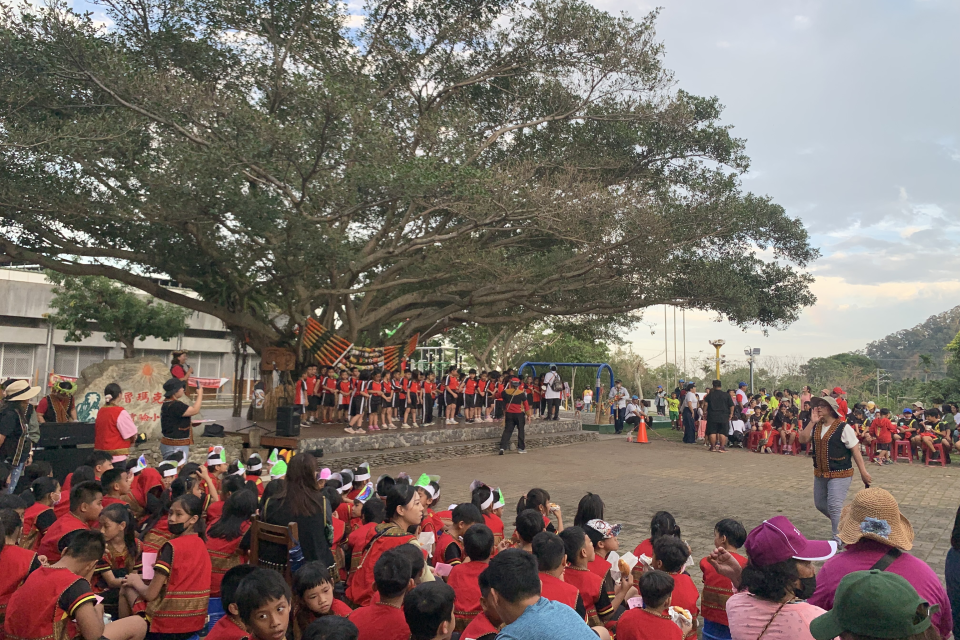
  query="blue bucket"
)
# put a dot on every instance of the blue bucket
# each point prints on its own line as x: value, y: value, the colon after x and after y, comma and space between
x: 715, y: 631
x: 214, y: 613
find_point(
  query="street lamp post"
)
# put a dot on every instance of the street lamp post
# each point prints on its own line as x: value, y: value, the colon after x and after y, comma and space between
x: 716, y: 345
x: 750, y: 353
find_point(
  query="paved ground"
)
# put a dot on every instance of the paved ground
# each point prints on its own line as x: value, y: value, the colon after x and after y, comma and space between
x: 699, y: 488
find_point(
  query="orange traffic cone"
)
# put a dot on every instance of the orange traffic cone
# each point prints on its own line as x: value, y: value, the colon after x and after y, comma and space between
x: 642, y: 432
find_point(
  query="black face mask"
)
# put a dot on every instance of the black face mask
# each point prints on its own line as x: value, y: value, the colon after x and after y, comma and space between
x: 807, y: 587
x: 177, y: 528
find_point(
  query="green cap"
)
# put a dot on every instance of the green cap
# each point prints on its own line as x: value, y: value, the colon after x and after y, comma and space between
x: 873, y: 603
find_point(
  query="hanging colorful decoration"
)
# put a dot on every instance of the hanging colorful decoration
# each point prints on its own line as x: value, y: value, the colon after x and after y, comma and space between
x: 331, y: 350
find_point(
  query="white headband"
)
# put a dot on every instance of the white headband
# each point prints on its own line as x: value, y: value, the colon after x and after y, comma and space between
x: 169, y: 472
x: 486, y: 503
x: 430, y: 491
x: 362, y: 476
x: 255, y: 467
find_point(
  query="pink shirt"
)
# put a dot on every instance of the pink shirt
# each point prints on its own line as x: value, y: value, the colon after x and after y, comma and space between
x: 748, y: 615
x: 862, y: 556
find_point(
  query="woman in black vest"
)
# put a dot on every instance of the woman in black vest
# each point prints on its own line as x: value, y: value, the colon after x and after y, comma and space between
x: 835, y: 449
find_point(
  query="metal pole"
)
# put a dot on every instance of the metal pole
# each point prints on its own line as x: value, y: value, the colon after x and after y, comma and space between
x: 46, y: 366
x: 751, y: 375
x: 676, y: 362
x: 683, y: 313
x: 878, y: 384
x: 666, y: 346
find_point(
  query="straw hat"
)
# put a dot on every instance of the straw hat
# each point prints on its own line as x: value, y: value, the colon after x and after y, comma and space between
x: 874, y: 515
x: 20, y: 390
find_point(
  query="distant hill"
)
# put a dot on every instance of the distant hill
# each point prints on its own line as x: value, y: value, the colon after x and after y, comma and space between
x: 898, y: 353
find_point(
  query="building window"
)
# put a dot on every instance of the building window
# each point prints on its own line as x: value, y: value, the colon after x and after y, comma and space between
x: 17, y: 360
x: 70, y: 361
x: 205, y: 364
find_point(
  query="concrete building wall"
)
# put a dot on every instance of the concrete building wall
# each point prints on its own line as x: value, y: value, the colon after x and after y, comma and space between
x: 25, y: 334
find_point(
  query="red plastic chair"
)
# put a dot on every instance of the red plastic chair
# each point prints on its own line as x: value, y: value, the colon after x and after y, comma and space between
x: 753, y: 439
x: 902, y: 445
x: 872, y: 450
x: 941, y: 457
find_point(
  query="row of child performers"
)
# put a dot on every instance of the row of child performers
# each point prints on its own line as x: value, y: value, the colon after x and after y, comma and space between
x: 190, y: 562
x: 382, y: 399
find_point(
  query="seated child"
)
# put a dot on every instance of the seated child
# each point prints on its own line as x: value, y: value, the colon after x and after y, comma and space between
x: 263, y: 605
x: 528, y: 524
x: 596, y: 599
x: 228, y: 540
x: 448, y: 549
x: 486, y: 624
x: 428, y: 610
x: 313, y: 597
x: 788, y: 431
x: 85, y: 506
x: 478, y: 544
x: 115, y: 483
x: 331, y: 628
x: 551, y: 558
x: 229, y: 627
x: 670, y: 555
x: 121, y: 557
x: 384, y: 619
x: 768, y: 436
x: 56, y: 601
x: 652, y: 622
x: 729, y: 534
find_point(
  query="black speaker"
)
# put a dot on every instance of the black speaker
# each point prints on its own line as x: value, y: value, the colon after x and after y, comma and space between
x: 288, y: 422
x: 64, y: 460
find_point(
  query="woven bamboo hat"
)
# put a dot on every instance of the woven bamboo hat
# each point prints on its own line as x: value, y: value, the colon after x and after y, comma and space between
x: 874, y: 515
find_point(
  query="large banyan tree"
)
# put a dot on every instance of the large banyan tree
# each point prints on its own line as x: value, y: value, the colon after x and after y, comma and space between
x: 424, y: 164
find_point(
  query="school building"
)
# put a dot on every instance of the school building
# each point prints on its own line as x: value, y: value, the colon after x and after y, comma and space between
x: 31, y: 348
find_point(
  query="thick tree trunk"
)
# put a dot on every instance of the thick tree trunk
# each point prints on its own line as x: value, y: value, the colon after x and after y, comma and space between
x: 128, y: 350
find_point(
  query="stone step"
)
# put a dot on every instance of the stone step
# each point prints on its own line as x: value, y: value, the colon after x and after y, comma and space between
x: 420, y: 453
x: 435, y: 436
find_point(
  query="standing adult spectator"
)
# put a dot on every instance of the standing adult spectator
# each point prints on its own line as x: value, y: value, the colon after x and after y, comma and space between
x: 14, y: 444
x: 59, y: 405
x: 618, y: 403
x: 300, y: 500
x: 114, y: 431
x: 743, y: 398
x: 179, y: 368
x: 877, y: 537
x: 552, y: 390
x: 175, y: 424
x: 719, y: 414
x: 661, y: 401
x: 689, y: 412
x: 806, y: 394
x: 515, y: 403
x: 835, y: 449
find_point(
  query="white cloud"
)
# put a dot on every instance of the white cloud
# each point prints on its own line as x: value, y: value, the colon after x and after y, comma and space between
x: 801, y: 22
x: 354, y: 21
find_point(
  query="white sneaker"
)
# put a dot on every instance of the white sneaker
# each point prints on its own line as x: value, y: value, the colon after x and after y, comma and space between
x: 404, y: 426
x: 449, y: 421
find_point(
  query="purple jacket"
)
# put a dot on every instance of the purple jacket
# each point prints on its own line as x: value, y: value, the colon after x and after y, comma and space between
x: 862, y: 556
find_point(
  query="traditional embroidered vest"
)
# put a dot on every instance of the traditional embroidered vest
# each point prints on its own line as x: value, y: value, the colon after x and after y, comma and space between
x: 466, y: 603
x: 30, y: 536
x: 182, y: 605
x: 358, y: 541
x: 224, y: 555
x: 58, y: 410
x: 34, y: 612
x: 106, y: 436
x: 63, y: 526
x: 831, y: 458
x: 158, y: 536
x: 716, y: 591
x: 16, y: 566
x: 493, y: 521
x: 388, y: 536
x: 444, y: 540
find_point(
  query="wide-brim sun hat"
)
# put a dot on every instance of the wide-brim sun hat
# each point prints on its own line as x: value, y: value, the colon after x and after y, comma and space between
x: 20, y: 390
x: 875, y: 515
x: 828, y: 401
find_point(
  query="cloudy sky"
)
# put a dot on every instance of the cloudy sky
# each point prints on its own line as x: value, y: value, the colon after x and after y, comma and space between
x: 851, y: 111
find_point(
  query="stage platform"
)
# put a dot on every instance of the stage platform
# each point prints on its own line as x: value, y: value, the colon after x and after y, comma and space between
x: 400, y: 446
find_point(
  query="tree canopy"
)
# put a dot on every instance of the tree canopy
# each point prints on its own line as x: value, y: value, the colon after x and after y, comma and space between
x: 122, y: 315
x: 447, y: 162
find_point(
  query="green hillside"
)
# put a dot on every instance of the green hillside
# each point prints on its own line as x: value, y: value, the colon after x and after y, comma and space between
x: 899, y: 353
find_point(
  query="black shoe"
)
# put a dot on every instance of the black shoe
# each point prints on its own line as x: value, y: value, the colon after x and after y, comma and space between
x: 501, y: 451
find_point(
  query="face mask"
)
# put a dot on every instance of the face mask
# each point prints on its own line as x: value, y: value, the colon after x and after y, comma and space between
x: 177, y: 528
x: 807, y: 587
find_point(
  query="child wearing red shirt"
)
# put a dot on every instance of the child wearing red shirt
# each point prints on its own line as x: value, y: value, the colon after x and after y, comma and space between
x: 551, y: 558
x: 384, y: 619
x: 669, y: 555
x: 230, y: 627
x: 884, y: 429
x: 730, y: 535
x: 478, y: 545
x: 596, y: 598
x: 653, y: 621
x: 313, y: 597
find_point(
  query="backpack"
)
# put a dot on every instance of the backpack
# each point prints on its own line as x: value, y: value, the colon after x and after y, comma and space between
x: 556, y: 384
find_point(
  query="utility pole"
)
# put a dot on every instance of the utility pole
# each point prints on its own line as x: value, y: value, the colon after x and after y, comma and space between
x: 684, y: 314
x: 716, y: 345
x: 666, y: 346
x: 675, y: 361
x: 751, y: 353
